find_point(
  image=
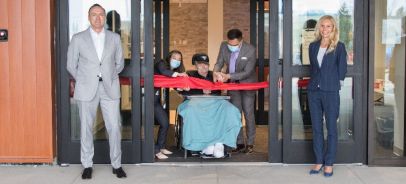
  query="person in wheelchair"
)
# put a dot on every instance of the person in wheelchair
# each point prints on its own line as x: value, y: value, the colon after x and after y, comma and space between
x: 201, y: 63
x: 208, y: 123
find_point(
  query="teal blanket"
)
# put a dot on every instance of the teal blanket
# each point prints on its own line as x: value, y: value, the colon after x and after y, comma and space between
x: 209, y: 121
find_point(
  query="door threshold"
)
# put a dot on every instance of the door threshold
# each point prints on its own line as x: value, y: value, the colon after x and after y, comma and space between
x: 188, y: 164
x: 200, y: 164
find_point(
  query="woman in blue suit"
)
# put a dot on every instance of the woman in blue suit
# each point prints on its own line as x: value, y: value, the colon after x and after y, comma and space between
x: 328, y: 66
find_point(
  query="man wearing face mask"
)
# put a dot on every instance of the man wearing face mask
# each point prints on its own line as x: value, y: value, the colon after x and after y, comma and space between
x: 172, y: 66
x: 240, y: 59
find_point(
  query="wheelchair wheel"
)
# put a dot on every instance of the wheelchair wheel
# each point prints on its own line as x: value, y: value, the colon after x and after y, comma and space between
x: 178, y: 130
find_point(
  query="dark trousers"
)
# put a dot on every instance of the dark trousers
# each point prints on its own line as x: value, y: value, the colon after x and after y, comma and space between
x: 161, y: 117
x: 245, y: 102
x: 327, y: 104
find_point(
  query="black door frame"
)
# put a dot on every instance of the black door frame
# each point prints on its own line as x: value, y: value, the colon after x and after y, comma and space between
x: 140, y: 147
x: 272, y: 117
x: 285, y: 150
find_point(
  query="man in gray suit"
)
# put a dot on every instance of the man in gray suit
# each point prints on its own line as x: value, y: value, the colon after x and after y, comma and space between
x: 240, y: 59
x: 95, y: 58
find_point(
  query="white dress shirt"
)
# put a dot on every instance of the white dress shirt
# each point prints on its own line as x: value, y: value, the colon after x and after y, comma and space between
x: 98, y: 41
x: 320, y: 55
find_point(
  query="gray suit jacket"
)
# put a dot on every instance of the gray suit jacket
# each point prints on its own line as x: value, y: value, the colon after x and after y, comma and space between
x: 245, y: 64
x: 84, y: 65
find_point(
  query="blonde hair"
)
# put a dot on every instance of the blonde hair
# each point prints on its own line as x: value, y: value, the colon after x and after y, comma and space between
x: 334, y: 34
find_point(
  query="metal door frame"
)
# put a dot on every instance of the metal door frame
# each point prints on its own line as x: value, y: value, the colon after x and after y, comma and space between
x: 352, y: 151
x: 138, y: 149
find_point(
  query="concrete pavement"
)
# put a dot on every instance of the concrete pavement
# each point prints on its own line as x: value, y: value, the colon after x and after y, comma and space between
x: 196, y: 173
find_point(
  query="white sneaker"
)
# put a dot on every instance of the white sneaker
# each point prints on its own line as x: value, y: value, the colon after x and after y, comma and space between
x: 218, y: 150
x: 166, y: 152
x: 208, y: 150
x: 161, y: 156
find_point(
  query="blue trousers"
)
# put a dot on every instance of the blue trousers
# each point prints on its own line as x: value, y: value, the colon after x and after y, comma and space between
x: 324, y: 105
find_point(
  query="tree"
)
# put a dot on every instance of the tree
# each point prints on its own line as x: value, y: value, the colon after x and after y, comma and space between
x: 345, y: 26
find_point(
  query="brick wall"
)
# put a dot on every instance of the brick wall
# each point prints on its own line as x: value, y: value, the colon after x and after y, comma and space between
x: 236, y: 14
x: 188, y: 29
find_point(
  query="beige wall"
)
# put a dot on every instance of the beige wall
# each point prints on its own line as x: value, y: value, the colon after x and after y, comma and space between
x: 215, y: 29
x: 380, y: 13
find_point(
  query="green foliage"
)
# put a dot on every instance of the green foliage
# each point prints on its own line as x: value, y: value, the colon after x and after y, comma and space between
x: 345, y: 26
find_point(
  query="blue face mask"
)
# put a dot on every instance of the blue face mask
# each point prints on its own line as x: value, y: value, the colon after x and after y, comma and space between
x: 233, y: 48
x: 174, y: 63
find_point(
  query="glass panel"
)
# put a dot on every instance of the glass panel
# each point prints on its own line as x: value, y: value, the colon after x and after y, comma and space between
x: 280, y: 12
x: 118, y: 19
x: 99, y: 131
x: 266, y: 27
x: 389, y: 85
x: 301, y: 121
x: 306, y: 13
x: 266, y: 30
x: 280, y: 108
x: 119, y: 22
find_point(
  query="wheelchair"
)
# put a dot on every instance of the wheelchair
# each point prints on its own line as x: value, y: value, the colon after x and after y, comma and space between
x: 178, y: 138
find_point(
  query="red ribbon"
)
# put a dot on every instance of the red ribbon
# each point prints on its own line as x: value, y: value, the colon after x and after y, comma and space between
x: 189, y: 82
x: 196, y: 83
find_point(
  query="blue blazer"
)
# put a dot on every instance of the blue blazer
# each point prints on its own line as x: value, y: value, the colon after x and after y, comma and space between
x: 333, y: 68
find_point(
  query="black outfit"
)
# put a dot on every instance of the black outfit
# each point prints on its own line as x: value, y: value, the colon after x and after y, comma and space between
x: 160, y: 115
x: 195, y: 74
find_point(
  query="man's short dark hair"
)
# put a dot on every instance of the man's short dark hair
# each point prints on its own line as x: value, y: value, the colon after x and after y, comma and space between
x: 234, y: 34
x: 97, y: 5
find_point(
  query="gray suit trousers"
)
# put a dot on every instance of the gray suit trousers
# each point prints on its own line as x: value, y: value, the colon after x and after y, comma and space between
x: 111, y: 116
x: 245, y: 102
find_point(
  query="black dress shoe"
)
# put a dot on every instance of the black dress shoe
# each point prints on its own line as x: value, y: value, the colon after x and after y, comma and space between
x: 119, y: 173
x: 87, y: 173
x: 240, y: 147
x: 249, y: 149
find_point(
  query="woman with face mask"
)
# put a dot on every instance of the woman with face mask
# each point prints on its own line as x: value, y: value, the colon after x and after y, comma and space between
x: 172, y: 66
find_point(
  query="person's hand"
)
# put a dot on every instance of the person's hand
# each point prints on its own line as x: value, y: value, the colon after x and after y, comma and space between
x: 225, y: 77
x: 183, y: 74
x: 206, y: 91
x: 217, y: 77
x: 183, y: 89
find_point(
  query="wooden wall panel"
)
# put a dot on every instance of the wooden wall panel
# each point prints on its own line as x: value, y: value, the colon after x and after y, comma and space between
x: 26, y: 115
x: 5, y: 82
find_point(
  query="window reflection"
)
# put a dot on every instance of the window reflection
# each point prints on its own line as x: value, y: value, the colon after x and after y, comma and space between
x: 118, y: 19
x: 301, y: 121
x: 307, y: 12
x: 99, y: 130
x: 389, y: 84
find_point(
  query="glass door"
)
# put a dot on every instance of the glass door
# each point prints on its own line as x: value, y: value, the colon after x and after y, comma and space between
x: 299, y: 18
x: 387, y: 83
x: 125, y: 18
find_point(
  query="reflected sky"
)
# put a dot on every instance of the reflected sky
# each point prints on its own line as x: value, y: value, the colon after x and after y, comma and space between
x: 320, y: 6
